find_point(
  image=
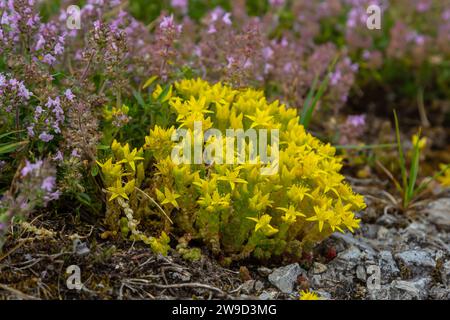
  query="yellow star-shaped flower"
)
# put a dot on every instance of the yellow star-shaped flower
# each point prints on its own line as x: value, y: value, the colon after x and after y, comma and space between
x: 232, y: 178
x: 113, y: 171
x: 308, y: 295
x: 335, y: 222
x: 121, y: 191
x: 168, y: 197
x: 322, y: 215
x: 444, y: 179
x: 262, y: 118
x: 130, y: 157
x: 296, y: 193
x: 350, y: 222
x: 259, y: 202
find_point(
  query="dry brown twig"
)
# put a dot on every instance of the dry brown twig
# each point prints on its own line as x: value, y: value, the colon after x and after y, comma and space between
x: 17, y: 293
x: 178, y: 286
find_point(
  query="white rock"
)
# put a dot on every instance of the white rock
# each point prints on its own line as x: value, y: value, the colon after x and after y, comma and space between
x: 407, y: 290
x: 285, y: 278
x: 439, y: 213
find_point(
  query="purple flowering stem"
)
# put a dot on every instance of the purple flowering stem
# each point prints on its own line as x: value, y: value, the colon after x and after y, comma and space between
x: 85, y: 71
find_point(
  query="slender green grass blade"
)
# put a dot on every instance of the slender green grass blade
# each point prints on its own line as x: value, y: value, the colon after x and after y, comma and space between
x: 10, y: 147
x: 164, y: 93
x: 4, y: 135
x: 414, y: 170
x: 317, y: 96
x: 307, y: 103
x: 139, y: 99
x: 314, y: 96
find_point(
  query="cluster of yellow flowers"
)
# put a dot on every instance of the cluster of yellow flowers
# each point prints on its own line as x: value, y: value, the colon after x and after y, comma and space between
x: 123, y: 168
x: 234, y: 209
x: 122, y: 174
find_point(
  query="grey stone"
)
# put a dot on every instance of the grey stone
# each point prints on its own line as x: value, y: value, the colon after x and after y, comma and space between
x: 353, y: 241
x: 439, y: 254
x: 439, y: 213
x: 417, y: 227
x: 350, y: 257
x: 316, y: 280
x: 370, y: 231
x: 264, y: 271
x: 267, y: 295
x: 259, y: 286
x: 319, y: 268
x: 388, y: 267
x: 361, y: 273
x: 416, y: 260
x: 382, y: 233
x: 409, y: 290
x: 416, y: 232
x: 285, y: 278
x: 332, y: 278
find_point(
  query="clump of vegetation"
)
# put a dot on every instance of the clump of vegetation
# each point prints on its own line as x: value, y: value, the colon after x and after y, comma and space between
x: 232, y: 208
